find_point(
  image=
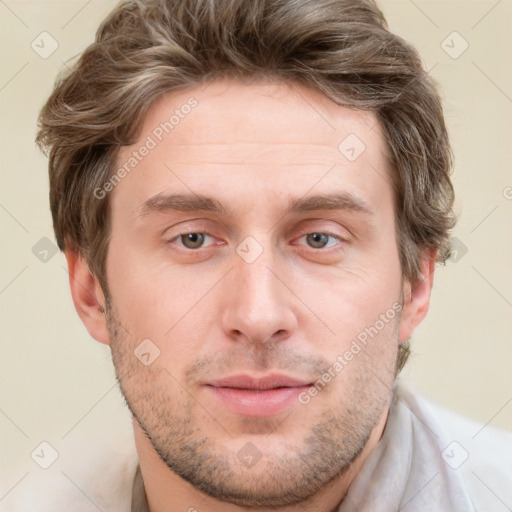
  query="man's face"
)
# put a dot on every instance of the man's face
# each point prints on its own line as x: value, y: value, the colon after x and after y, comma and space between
x: 255, y: 290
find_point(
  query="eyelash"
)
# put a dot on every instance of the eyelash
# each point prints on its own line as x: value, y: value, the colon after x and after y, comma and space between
x: 178, y: 237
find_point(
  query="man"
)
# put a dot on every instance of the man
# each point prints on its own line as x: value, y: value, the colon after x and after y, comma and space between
x: 252, y: 197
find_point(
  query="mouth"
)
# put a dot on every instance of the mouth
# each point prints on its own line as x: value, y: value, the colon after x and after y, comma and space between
x: 257, y: 396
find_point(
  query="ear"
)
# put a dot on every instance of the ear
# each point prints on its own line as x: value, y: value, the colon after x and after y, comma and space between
x: 88, y: 297
x: 417, y: 297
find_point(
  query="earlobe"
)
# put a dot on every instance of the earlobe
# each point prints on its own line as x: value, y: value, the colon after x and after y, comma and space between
x: 88, y: 297
x: 417, y: 297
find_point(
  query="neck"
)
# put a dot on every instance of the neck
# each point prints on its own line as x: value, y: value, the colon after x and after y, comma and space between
x: 168, y: 492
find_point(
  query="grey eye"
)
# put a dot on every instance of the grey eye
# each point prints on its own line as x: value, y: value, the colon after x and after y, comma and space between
x: 192, y: 240
x: 317, y: 240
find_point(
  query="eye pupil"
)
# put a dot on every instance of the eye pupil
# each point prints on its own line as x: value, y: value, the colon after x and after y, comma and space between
x: 318, y: 239
x: 195, y: 240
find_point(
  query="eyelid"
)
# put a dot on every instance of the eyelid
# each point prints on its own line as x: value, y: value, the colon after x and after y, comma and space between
x: 328, y: 224
x: 199, y: 225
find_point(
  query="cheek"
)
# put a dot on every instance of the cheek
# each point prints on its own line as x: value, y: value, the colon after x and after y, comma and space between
x: 166, y: 304
x: 352, y: 299
x: 139, y: 295
x: 353, y: 295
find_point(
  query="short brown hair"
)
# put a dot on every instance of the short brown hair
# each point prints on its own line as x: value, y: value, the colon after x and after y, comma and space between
x: 342, y: 48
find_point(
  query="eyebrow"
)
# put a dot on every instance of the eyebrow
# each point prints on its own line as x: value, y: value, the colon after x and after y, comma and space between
x: 200, y: 203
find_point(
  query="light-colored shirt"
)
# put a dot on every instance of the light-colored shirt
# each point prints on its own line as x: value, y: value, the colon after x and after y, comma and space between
x: 423, y: 465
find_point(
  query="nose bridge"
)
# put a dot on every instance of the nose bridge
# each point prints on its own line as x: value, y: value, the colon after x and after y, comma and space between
x: 258, y: 307
x: 257, y: 282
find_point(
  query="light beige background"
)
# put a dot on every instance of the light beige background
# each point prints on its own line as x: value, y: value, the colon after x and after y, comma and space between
x: 57, y: 382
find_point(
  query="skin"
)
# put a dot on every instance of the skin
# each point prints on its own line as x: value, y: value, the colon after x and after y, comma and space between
x: 292, y: 310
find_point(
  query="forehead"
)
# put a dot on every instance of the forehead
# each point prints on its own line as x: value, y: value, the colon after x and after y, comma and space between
x: 263, y: 111
x: 272, y: 135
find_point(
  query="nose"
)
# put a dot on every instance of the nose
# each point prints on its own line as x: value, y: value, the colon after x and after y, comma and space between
x: 258, y: 303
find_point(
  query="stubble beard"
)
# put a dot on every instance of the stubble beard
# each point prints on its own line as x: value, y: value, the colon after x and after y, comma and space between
x: 300, y: 470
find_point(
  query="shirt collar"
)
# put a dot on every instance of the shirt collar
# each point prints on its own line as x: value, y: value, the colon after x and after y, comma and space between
x: 139, y: 499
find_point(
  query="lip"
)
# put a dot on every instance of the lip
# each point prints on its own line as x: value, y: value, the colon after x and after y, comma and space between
x: 257, y: 396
